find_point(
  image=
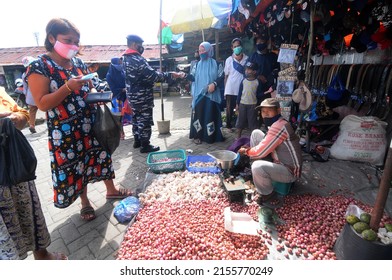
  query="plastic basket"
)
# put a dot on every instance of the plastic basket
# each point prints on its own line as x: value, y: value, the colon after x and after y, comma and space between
x: 201, y: 158
x: 282, y: 188
x: 167, y: 161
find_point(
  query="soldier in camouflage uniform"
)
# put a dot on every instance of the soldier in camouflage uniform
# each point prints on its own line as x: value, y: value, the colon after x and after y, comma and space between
x: 139, y: 80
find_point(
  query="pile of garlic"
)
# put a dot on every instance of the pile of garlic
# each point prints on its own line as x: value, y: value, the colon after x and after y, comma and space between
x: 183, y: 185
x: 385, y: 236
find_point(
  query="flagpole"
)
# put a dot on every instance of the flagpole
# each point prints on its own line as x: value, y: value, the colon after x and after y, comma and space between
x: 160, y: 56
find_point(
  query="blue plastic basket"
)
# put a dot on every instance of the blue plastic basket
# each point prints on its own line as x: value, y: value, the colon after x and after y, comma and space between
x: 166, y: 161
x: 201, y: 158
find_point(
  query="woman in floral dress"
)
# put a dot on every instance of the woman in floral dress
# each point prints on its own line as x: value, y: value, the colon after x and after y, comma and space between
x: 76, y: 157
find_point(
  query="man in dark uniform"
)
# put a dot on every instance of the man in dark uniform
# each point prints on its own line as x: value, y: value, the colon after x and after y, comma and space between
x: 266, y: 60
x: 139, y: 81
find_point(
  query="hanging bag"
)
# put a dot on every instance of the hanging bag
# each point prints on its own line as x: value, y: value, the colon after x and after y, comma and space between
x: 107, y: 128
x: 17, y: 158
x: 337, y: 95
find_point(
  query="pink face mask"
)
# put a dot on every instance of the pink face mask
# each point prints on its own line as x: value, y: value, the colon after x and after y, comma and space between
x: 66, y: 50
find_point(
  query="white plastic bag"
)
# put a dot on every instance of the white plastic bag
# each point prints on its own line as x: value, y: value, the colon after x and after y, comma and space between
x: 354, y: 210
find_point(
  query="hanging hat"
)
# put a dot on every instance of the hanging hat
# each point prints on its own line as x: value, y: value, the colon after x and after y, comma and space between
x: 303, y: 96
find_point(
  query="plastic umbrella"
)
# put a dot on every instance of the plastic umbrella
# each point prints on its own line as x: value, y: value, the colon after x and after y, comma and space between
x: 195, y: 15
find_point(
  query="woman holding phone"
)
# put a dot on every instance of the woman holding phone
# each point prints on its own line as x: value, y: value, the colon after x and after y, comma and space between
x: 57, y: 86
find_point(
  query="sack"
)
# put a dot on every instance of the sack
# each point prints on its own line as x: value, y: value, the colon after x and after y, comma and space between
x: 98, y: 97
x: 127, y: 209
x: 17, y: 158
x: 361, y: 139
x: 107, y: 128
x: 337, y: 95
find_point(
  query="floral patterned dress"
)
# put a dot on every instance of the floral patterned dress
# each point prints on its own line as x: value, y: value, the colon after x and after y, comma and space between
x: 76, y: 157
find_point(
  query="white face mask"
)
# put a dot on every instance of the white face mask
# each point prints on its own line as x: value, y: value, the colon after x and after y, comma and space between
x: 66, y: 50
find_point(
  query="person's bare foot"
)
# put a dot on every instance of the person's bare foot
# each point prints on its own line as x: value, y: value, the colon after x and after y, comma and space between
x: 43, y: 254
x: 119, y: 193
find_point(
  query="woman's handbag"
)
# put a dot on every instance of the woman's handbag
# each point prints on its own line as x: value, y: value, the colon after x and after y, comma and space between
x: 107, y: 128
x: 17, y: 159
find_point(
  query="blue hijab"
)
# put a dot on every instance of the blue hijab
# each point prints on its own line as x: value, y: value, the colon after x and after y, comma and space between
x: 205, y: 73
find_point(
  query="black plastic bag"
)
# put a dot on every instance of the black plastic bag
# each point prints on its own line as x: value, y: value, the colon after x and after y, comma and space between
x: 107, y: 128
x: 17, y: 158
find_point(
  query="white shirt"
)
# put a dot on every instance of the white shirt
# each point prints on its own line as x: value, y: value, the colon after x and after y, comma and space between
x: 234, y: 78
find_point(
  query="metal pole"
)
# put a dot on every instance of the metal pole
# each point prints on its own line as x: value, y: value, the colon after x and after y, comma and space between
x: 382, y: 195
x: 310, y: 43
x: 160, y: 56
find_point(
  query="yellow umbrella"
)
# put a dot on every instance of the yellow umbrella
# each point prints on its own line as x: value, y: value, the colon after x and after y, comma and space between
x: 192, y: 15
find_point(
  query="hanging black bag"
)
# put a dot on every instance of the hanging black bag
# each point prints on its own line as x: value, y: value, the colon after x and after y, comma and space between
x: 17, y: 158
x: 107, y: 128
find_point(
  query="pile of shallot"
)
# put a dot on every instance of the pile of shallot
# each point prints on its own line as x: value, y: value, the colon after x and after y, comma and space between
x: 183, y: 218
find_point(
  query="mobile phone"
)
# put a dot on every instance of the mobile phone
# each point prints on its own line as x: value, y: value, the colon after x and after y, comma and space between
x: 88, y: 76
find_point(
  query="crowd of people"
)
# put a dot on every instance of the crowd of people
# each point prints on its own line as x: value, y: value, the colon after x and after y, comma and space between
x: 54, y: 84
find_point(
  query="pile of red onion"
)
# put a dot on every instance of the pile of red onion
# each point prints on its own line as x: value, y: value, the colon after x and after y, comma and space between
x: 193, y: 229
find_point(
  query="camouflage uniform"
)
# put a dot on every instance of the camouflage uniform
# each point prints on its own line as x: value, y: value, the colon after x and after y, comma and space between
x: 139, y: 81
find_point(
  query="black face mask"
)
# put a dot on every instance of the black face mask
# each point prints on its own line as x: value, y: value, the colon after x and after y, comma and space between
x: 261, y: 47
x: 270, y: 121
x: 140, y: 49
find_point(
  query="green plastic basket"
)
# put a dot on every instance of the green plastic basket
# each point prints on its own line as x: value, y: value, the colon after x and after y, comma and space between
x: 282, y: 188
x: 166, y: 161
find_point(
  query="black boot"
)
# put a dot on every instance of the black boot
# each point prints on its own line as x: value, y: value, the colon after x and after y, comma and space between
x: 136, y: 143
x: 149, y: 148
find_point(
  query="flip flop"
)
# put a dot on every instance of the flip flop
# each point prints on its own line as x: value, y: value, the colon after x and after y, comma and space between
x: 122, y: 193
x: 87, y: 213
x: 197, y: 141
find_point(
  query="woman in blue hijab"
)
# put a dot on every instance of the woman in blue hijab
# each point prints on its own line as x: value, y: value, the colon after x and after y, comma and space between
x: 206, y: 119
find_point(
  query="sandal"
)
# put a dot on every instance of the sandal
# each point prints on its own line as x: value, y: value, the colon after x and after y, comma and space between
x: 197, y: 141
x: 122, y: 193
x: 87, y: 213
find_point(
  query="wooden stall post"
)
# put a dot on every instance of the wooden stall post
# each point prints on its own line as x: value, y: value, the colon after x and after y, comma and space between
x: 383, y: 191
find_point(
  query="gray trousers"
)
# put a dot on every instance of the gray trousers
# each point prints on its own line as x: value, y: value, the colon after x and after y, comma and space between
x: 264, y: 172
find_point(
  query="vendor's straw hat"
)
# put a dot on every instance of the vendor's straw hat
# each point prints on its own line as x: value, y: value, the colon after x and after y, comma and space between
x: 303, y: 96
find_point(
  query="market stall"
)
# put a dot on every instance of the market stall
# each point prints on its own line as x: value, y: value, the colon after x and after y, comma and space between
x: 200, y: 214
